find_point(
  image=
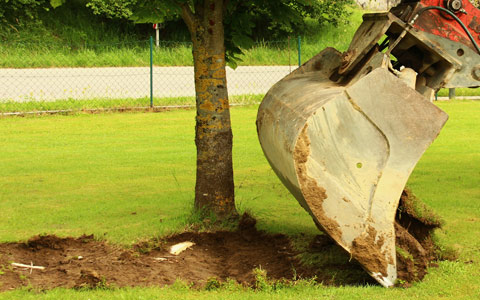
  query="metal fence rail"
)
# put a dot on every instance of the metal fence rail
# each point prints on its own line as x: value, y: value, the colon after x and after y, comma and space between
x: 79, y: 88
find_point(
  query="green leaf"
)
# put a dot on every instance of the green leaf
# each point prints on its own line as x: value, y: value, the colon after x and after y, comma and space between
x: 242, y: 41
x: 56, y: 3
x: 232, y: 64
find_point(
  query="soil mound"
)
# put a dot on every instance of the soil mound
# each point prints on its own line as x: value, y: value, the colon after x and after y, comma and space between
x: 414, y: 227
x: 86, y: 262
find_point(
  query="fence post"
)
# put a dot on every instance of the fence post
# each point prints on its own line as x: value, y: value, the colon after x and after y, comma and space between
x: 451, y: 94
x: 151, y: 71
x: 299, y: 51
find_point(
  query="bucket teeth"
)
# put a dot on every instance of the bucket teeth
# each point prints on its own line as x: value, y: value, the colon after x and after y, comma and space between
x: 346, y: 152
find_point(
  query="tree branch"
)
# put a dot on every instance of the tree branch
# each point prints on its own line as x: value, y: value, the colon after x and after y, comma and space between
x: 188, y: 16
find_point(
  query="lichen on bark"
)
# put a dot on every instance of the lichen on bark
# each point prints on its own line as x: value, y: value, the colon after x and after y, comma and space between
x: 214, y: 188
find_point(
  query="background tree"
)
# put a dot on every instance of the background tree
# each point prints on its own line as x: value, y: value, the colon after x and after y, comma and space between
x: 19, y: 11
x: 219, y: 29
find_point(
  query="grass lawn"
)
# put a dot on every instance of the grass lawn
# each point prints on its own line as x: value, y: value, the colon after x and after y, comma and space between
x: 460, y: 92
x: 112, y: 104
x: 69, y: 175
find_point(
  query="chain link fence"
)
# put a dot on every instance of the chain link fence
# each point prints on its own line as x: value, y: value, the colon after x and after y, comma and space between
x: 83, y: 79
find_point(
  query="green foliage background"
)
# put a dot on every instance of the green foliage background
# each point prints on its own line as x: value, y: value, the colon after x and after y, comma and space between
x: 245, y: 21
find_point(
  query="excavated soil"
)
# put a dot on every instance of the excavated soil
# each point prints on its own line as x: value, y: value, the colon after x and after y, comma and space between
x: 86, y: 262
x: 415, y: 224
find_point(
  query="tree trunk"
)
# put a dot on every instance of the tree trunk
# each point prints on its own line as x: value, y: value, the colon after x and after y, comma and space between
x: 214, y: 189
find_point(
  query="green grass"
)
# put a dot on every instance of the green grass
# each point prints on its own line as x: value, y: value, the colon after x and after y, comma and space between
x: 127, y: 163
x: 70, y: 175
x: 72, y: 104
x: 460, y: 92
x: 130, y: 55
x: 112, y: 104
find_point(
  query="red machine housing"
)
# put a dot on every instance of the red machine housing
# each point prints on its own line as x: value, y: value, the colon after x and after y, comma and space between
x: 442, y: 24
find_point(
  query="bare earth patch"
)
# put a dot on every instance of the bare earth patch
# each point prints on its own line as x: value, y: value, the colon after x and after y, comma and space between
x: 87, y: 263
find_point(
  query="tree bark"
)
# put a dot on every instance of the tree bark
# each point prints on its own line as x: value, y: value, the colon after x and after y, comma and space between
x: 214, y: 189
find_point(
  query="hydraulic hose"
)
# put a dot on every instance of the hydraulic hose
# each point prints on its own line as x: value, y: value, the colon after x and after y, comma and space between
x: 421, y: 11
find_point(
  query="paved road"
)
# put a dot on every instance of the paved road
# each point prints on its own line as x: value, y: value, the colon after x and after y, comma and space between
x: 87, y: 83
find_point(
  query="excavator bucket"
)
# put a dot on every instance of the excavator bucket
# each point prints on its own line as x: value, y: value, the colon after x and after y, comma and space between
x: 346, y: 152
x: 344, y: 132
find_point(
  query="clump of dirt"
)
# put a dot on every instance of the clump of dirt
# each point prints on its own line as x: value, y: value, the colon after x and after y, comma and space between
x: 87, y: 263
x: 46, y: 242
x: 414, y: 227
x: 367, y: 252
x: 89, y: 279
